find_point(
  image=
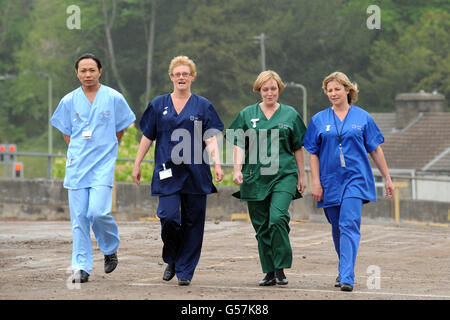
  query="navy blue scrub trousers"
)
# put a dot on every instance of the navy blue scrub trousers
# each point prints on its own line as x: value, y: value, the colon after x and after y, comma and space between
x: 182, y: 219
x: 345, y: 223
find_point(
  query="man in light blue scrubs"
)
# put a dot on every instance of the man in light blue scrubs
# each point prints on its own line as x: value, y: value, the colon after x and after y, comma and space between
x: 93, y: 119
x: 339, y: 140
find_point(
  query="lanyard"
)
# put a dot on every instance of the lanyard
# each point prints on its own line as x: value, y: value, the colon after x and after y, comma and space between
x: 341, y: 155
x: 343, y: 123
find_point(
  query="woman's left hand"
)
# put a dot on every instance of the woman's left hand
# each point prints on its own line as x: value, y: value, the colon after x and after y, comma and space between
x: 389, y: 187
x: 301, y: 183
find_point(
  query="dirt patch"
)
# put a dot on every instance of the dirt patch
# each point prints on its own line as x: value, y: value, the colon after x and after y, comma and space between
x: 394, y: 262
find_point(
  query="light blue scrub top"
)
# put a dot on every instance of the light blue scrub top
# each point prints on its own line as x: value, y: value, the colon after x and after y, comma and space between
x: 360, y: 136
x: 90, y: 162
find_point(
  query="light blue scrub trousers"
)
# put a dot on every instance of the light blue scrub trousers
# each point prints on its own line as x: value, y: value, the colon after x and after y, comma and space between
x: 345, y: 223
x: 91, y: 205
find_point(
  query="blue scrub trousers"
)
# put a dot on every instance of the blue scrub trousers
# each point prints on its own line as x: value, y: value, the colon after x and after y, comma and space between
x: 345, y: 223
x: 182, y: 219
x: 91, y: 205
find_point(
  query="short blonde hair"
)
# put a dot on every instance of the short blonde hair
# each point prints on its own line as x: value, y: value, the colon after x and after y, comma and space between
x: 183, y: 61
x: 265, y: 76
x: 340, y: 77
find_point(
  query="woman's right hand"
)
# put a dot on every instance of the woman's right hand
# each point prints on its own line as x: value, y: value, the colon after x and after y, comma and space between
x: 238, y: 178
x: 137, y: 174
x: 317, y: 191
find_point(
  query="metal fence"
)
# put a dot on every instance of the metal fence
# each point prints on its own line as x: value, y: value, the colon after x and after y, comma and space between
x: 409, y: 178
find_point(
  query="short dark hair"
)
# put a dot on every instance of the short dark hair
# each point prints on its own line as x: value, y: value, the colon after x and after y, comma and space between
x: 88, y: 56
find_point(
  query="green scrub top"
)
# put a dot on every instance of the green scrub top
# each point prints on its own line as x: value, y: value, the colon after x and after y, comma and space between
x: 269, y: 145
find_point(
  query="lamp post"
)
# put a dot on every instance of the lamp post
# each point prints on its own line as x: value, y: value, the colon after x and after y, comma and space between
x: 7, y: 76
x: 262, y: 41
x: 297, y: 85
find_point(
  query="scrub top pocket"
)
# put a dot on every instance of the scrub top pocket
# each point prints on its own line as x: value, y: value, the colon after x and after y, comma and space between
x: 331, y: 189
x: 250, y: 186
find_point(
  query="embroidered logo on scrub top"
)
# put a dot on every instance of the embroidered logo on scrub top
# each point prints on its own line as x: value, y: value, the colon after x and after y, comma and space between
x: 193, y: 118
x: 283, y: 126
x: 165, y: 111
x: 254, y: 121
x: 356, y: 126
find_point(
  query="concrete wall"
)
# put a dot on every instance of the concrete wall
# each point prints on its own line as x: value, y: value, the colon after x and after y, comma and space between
x: 43, y: 199
x: 433, y: 190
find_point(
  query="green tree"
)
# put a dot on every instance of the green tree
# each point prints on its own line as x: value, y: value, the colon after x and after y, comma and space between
x: 128, y: 149
x: 419, y: 59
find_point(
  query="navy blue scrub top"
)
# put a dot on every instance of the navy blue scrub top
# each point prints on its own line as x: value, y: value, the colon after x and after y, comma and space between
x: 360, y: 136
x: 197, y: 122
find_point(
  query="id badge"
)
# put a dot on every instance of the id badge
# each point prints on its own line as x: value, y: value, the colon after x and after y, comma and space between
x: 86, y: 134
x: 165, y: 174
x: 341, y: 157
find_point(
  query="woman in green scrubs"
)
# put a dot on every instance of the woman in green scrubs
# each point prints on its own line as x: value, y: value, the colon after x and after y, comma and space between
x: 269, y: 168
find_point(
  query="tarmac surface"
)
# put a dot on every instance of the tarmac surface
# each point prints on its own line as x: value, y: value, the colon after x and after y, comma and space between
x: 395, y: 262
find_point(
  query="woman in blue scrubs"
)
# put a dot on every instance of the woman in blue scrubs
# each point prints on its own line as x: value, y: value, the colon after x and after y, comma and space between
x: 184, y: 125
x: 93, y: 119
x: 339, y: 140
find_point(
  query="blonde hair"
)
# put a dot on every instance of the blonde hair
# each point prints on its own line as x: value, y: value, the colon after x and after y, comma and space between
x: 183, y: 61
x: 340, y: 77
x: 265, y: 76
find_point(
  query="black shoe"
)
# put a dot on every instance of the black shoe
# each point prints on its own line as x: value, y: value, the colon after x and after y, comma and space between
x: 184, y: 282
x: 269, y: 280
x: 169, y: 273
x: 337, y: 283
x: 346, y: 287
x: 280, y: 278
x: 80, y: 276
x: 111, y: 262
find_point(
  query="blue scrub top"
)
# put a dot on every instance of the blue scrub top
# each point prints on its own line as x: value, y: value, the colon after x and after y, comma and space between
x: 180, y: 143
x: 360, y: 136
x: 90, y: 162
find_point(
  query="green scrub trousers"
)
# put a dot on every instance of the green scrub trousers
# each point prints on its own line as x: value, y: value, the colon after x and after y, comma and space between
x: 270, y: 219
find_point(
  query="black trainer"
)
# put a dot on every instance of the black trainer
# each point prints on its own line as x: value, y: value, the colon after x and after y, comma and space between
x: 269, y: 279
x: 80, y: 276
x: 111, y: 262
x: 346, y: 287
x: 184, y: 282
x: 337, y: 282
x: 280, y: 278
x: 169, y: 273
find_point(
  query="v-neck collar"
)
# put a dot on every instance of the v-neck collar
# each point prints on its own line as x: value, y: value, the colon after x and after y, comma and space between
x: 96, y: 95
x: 261, y: 110
x: 335, y: 116
x: 184, y: 107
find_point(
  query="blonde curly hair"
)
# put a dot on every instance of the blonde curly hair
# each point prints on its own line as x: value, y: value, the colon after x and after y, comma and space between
x: 183, y: 61
x: 340, y: 77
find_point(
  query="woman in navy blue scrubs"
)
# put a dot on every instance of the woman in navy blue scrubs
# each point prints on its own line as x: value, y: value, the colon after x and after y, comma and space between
x: 184, y: 125
x: 339, y: 140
